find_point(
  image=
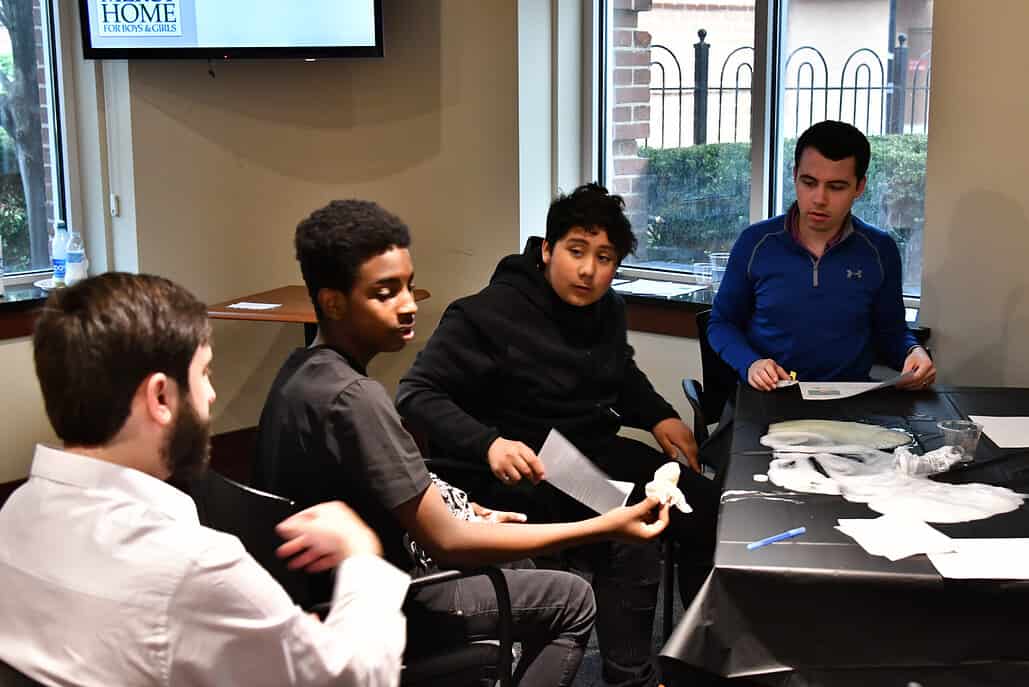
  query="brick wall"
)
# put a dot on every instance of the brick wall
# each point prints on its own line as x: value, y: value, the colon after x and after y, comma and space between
x: 630, y: 110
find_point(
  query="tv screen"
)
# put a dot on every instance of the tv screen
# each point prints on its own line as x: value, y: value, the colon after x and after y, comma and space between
x: 225, y: 29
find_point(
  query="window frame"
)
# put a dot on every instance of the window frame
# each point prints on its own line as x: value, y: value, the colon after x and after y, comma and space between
x: 58, y: 125
x: 766, y: 160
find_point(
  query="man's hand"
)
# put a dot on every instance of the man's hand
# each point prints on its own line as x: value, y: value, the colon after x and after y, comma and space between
x: 322, y: 536
x: 763, y: 374
x: 641, y: 522
x: 676, y: 439
x: 497, y: 516
x: 510, y: 461
x: 922, y: 368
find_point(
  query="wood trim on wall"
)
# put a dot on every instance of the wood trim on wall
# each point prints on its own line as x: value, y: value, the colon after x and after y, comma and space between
x: 15, y: 323
x: 663, y: 317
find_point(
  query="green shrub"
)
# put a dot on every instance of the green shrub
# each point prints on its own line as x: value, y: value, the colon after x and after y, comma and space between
x: 14, y: 231
x: 699, y: 197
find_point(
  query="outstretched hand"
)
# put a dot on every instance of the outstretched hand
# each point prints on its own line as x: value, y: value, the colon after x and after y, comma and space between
x: 641, y: 522
x: 497, y: 516
x: 510, y: 461
x: 765, y: 373
x: 323, y: 536
x: 676, y: 439
x: 921, y: 367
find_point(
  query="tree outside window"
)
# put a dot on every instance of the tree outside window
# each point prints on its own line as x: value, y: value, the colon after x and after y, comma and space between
x: 28, y: 165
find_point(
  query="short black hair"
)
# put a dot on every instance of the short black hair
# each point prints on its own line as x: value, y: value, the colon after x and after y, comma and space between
x: 836, y: 141
x: 337, y: 239
x: 95, y: 343
x: 591, y: 207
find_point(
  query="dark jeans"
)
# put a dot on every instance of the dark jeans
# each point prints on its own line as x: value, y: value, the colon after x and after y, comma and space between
x: 633, y: 461
x: 626, y: 577
x: 552, y: 614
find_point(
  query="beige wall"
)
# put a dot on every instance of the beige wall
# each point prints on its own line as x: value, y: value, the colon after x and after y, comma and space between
x: 975, y: 291
x: 225, y: 167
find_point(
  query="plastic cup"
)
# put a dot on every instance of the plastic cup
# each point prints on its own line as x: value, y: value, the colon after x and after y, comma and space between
x: 962, y: 434
x: 702, y: 272
x: 719, y: 261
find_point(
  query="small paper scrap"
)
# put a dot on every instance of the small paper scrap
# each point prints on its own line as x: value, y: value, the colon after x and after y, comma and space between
x: 664, y: 487
x: 245, y: 305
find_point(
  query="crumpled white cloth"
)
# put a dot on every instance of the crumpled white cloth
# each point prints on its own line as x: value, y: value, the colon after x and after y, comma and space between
x: 807, y: 462
x: 665, y: 487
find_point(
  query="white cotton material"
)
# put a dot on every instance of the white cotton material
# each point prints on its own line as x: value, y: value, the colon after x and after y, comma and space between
x: 930, y: 463
x: 665, y: 487
x: 838, y: 432
x: 865, y: 475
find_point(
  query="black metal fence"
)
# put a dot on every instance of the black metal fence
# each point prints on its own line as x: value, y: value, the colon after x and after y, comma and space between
x: 877, y: 98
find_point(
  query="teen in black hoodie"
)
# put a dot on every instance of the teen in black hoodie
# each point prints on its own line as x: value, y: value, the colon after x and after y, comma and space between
x: 545, y: 346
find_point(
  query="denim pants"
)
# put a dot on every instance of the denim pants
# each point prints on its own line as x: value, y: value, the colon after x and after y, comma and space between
x: 552, y: 614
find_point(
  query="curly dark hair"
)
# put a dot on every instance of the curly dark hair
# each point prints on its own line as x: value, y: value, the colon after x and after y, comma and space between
x: 836, y: 141
x: 591, y: 207
x: 95, y: 343
x: 337, y: 239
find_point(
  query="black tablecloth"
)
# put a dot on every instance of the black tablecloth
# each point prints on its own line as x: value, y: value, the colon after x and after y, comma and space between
x: 818, y: 605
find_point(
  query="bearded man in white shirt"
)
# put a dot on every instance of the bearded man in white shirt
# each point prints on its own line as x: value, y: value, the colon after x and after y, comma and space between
x: 108, y: 577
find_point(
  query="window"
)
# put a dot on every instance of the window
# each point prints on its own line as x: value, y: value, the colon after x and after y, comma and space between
x: 687, y: 99
x: 31, y: 190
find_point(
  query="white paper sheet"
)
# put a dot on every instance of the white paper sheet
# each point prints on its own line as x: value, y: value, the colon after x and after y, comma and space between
x: 895, y: 537
x: 985, y: 559
x: 573, y: 473
x: 829, y: 391
x: 1006, y: 432
x: 616, y: 282
x: 246, y: 305
x: 651, y: 287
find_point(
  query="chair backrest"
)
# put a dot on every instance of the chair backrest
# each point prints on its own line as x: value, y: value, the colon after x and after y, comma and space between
x: 251, y: 515
x: 720, y: 379
x: 9, y: 677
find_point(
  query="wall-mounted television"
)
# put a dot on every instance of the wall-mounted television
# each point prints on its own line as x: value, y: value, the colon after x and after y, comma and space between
x: 230, y: 29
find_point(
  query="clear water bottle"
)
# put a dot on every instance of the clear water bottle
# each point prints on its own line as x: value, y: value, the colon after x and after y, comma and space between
x: 59, y: 251
x: 75, y: 259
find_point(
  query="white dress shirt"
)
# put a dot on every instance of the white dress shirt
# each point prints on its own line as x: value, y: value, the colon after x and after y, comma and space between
x: 108, y: 578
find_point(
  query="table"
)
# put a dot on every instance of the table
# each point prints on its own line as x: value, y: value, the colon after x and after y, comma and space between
x: 821, y: 608
x: 294, y: 306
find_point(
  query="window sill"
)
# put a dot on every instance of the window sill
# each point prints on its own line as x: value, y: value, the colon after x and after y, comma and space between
x: 668, y: 316
x: 19, y: 309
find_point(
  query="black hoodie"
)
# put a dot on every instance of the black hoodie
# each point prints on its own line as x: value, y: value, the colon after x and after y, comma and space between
x: 514, y: 361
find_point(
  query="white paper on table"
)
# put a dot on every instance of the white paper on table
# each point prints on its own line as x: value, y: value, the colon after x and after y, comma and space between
x: 652, y: 287
x: 829, y: 391
x: 1006, y: 432
x: 895, y: 537
x: 246, y: 305
x: 985, y: 559
x: 573, y: 473
x: 616, y: 282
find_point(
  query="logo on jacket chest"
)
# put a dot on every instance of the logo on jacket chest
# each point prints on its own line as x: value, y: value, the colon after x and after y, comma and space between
x: 853, y: 274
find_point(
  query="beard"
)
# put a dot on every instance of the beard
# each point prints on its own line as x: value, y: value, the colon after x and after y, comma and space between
x: 188, y: 448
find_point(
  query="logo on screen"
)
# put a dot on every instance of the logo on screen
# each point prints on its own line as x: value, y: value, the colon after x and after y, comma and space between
x: 138, y: 17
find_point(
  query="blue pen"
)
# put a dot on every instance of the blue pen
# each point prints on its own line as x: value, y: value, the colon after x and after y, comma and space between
x: 788, y: 534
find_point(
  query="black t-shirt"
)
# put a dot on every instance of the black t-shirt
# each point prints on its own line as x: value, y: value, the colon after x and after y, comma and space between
x: 329, y: 432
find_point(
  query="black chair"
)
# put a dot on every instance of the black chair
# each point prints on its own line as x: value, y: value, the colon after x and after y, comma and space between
x: 250, y: 514
x: 9, y: 677
x: 708, y: 399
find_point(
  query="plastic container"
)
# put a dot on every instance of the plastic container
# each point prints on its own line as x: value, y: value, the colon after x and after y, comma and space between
x: 75, y: 259
x: 59, y: 251
x: 719, y: 261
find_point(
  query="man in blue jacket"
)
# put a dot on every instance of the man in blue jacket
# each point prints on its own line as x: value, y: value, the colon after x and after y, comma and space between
x: 817, y: 290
